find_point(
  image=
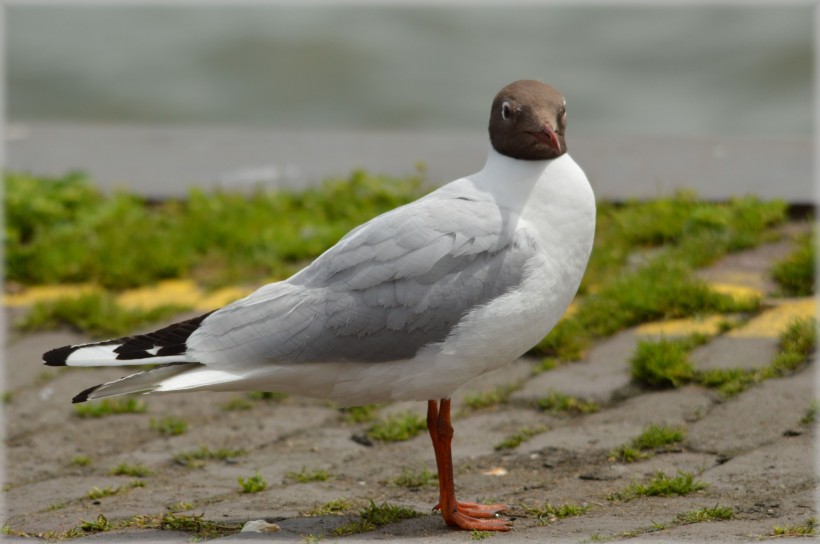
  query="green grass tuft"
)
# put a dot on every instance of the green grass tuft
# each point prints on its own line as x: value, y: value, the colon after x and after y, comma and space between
x: 416, y: 478
x: 99, y: 525
x: 196, y: 458
x: 305, y: 476
x: 728, y: 381
x: 522, y: 435
x: 252, y: 484
x: 202, y: 529
x: 797, y: 344
x: 662, y: 363
x: 180, y: 506
x: 64, y: 230
x: 491, y: 398
x: 807, y: 529
x: 169, y: 425
x: 559, y: 402
x: 110, y: 407
x: 545, y: 365
x: 811, y: 412
x: 332, y: 508
x: 796, y: 273
x: 237, y: 404
x: 353, y: 528
x: 361, y: 414
x: 628, y: 454
x: 268, y: 396
x: 137, y: 471
x: 698, y: 232
x: 97, y: 314
x: 475, y: 534
x: 171, y: 521
x: 548, y: 513
x: 658, y: 436
x: 716, y: 513
x: 662, y: 289
x: 738, y: 224
x: 372, y: 517
x: 654, y: 437
x: 567, y: 341
x: 81, y: 460
x: 96, y: 493
x: 661, y: 485
x: 397, y: 427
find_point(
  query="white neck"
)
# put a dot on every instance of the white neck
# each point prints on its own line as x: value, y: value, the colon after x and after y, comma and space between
x: 553, y: 196
x: 512, y: 181
x: 509, y: 180
x: 502, y: 165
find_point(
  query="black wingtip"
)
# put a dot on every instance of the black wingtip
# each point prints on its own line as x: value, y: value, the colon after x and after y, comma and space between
x: 83, y: 395
x: 59, y: 356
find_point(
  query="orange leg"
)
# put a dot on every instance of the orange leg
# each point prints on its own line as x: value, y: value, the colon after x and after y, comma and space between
x: 465, y: 515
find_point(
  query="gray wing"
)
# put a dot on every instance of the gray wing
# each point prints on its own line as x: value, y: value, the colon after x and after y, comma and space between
x: 390, y: 287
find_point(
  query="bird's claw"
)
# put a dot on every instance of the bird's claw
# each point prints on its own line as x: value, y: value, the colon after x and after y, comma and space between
x: 472, y: 523
x: 477, y: 510
x: 475, y: 516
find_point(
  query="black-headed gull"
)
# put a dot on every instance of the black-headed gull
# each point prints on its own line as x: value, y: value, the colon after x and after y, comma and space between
x: 408, y: 306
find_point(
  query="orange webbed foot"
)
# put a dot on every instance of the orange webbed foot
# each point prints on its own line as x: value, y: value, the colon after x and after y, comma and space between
x: 473, y: 523
x: 477, y: 510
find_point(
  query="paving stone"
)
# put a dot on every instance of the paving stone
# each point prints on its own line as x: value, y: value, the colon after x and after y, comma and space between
x: 673, y: 407
x: 750, y: 268
x: 477, y: 435
x: 600, y: 377
x: 600, y: 437
x: 671, y: 463
x: 756, y: 417
x: 787, y: 466
x: 733, y: 352
x: 628, y: 517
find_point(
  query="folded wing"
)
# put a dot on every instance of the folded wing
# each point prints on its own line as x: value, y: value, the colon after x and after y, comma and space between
x: 390, y: 287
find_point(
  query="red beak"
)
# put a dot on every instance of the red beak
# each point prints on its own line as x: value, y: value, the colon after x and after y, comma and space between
x: 548, y: 136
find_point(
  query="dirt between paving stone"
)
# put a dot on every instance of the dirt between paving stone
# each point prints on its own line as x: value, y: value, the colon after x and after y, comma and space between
x: 766, y: 476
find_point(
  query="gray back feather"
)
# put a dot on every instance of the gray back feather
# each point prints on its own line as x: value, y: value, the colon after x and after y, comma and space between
x: 390, y: 287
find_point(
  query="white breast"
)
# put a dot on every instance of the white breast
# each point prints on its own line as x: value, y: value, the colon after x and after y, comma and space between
x: 556, y: 208
x: 558, y: 211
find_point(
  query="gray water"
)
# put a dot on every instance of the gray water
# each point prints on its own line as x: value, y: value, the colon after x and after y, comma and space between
x: 666, y: 71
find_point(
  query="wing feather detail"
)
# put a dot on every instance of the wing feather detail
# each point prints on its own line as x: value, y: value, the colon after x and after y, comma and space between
x: 389, y: 288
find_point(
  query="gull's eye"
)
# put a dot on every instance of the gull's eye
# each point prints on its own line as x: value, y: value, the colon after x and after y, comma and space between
x: 506, y: 112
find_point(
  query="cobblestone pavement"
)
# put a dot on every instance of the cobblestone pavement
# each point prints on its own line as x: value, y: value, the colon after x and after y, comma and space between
x: 754, y: 451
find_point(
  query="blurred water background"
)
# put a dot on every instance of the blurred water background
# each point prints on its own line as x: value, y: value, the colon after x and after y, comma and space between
x: 636, y: 70
x: 693, y: 72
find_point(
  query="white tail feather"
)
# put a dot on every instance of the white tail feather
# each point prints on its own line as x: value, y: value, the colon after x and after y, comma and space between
x: 146, y: 381
x: 104, y: 355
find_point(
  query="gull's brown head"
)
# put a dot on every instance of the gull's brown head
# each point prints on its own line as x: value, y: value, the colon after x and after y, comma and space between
x: 527, y: 121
